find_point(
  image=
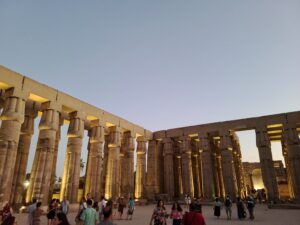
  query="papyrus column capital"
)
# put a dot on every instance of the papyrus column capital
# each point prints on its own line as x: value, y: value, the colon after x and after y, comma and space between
x: 185, y: 144
x: 262, y: 137
x: 225, y: 140
x: 76, y: 127
x: 96, y: 132
x: 141, y: 145
x: 50, y: 117
x: 115, y: 136
x: 290, y: 134
x: 204, y: 142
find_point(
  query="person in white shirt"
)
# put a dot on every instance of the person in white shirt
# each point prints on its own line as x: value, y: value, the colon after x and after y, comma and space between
x: 30, y: 210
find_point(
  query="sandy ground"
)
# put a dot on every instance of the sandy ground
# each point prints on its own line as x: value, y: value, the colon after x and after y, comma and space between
x: 142, y: 215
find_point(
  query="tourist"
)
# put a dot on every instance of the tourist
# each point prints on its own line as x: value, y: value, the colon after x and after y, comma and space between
x: 250, y: 206
x: 102, y: 205
x: 36, y: 214
x: 228, y: 205
x: 6, y: 211
x: 189, y: 200
x: 10, y: 220
x: 198, y: 205
x: 60, y: 219
x: 130, y: 208
x: 51, y: 211
x: 240, y: 208
x: 176, y: 214
x: 159, y: 214
x: 192, y: 217
x: 186, y: 201
x: 82, y: 207
x: 30, y: 210
x: 89, y: 216
x: 121, y: 206
x: 217, y: 208
x: 107, y: 213
x: 65, y: 206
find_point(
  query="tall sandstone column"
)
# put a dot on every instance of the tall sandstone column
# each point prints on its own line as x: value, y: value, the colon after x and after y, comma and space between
x: 293, y: 154
x: 168, y: 168
x: 12, y: 118
x: 196, y: 169
x: 229, y: 176
x: 154, y: 169
x: 266, y: 160
x: 288, y: 169
x: 40, y: 177
x: 112, y: 184
x: 27, y: 131
x: 94, y: 164
x: 186, y: 160
x: 140, y: 174
x: 207, y: 167
x: 128, y: 165
x: 71, y: 175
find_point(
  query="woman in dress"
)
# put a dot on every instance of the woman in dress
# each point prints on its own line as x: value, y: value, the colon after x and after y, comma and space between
x: 176, y: 214
x: 6, y: 212
x: 36, y: 214
x: 217, y: 208
x: 240, y: 209
x: 159, y: 214
x: 130, y: 209
x: 51, y: 211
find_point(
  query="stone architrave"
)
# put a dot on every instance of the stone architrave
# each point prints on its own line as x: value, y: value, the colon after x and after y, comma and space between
x: 12, y: 118
x: 207, y: 167
x: 228, y: 170
x: 127, y: 169
x: 27, y: 131
x: 186, y: 160
x: 140, y: 174
x: 112, y: 184
x: 153, y: 170
x: 168, y: 168
x: 266, y: 160
x: 94, y: 163
x: 41, y: 173
x: 292, y: 141
x: 71, y: 174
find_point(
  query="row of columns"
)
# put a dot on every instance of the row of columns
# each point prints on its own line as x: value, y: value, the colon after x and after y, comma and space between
x: 114, y: 177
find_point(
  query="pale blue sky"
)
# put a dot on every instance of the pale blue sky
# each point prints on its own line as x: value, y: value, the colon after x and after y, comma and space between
x: 161, y: 64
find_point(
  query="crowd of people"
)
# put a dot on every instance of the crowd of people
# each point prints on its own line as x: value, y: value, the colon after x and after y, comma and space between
x: 91, y: 212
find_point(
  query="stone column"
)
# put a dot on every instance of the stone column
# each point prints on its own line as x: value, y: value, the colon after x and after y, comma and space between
x: 71, y: 175
x: 40, y: 177
x: 127, y: 169
x: 140, y: 174
x: 207, y: 167
x: 288, y: 170
x: 186, y: 160
x: 267, y: 169
x: 168, y: 168
x: 196, y: 169
x: 154, y: 169
x: 112, y: 185
x: 229, y: 176
x: 53, y: 173
x: 238, y: 165
x: 94, y: 163
x: 105, y: 159
x: 27, y: 131
x: 12, y: 118
x: 292, y: 141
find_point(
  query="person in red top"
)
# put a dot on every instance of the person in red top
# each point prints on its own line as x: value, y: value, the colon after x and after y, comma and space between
x: 193, y: 217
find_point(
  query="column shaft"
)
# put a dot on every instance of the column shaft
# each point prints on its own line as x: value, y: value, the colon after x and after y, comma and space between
x: 140, y: 168
x: 291, y: 138
x: 266, y: 161
x: 12, y: 117
x: 94, y: 163
x: 168, y: 168
x: 71, y: 175
x: 41, y: 173
x: 27, y: 131
x: 207, y: 167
